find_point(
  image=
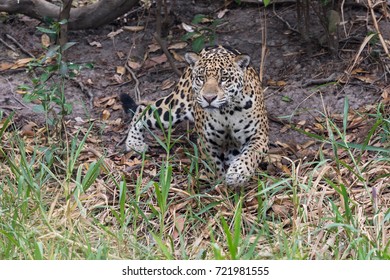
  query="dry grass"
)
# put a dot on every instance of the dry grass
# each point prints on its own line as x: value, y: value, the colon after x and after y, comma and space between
x: 331, y: 203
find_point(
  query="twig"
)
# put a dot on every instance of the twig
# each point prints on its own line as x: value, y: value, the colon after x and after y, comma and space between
x: 277, y: 120
x: 355, y: 60
x: 19, y: 45
x: 285, y: 21
x: 375, y: 22
x: 86, y: 91
x: 331, y: 78
x: 134, y: 77
x: 6, y: 107
x: 7, y: 45
x: 136, y: 89
x: 123, y: 139
x: 17, y: 100
x: 14, y: 95
x: 158, y: 17
x: 263, y: 47
x: 167, y: 53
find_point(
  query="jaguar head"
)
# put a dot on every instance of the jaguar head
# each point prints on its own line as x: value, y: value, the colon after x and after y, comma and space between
x: 217, y: 76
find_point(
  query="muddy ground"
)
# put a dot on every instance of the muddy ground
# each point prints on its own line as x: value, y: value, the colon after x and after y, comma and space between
x: 293, y: 72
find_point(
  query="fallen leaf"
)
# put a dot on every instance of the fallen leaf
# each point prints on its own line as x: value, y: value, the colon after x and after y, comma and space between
x: 79, y: 120
x: 118, y: 79
x: 95, y: 44
x: 45, y: 40
x: 27, y: 130
x: 153, y: 48
x: 178, y: 46
x: 134, y: 65
x: 106, y: 115
x: 179, y: 226
x: 368, y: 79
x: 5, y: 66
x: 177, y: 56
x: 112, y: 34
x: 284, y: 209
x: 187, y: 27
x: 21, y: 62
x: 301, y: 123
x: 120, y: 55
x: 134, y: 162
x: 222, y: 13
x: 120, y: 70
x: 386, y: 95
x: 118, y: 121
x: 285, y: 169
x: 94, y: 140
x: 358, y: 71
x: 134, y: 28
x: 153, y: 61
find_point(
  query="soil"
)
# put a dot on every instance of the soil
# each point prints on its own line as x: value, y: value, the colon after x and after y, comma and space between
x: 293, y: 68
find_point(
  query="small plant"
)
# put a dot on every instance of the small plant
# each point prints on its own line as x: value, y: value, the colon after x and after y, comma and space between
x: 49, y: 76
x: 202, y: 31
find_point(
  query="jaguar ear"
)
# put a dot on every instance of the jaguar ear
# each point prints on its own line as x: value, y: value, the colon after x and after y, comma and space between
x: 242, y: 60
x: 191, y: 58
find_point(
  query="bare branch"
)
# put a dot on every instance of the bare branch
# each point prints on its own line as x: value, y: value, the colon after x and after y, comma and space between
x: 91, y: 16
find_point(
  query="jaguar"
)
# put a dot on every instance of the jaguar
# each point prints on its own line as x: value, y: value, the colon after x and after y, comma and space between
x: 221, y: 93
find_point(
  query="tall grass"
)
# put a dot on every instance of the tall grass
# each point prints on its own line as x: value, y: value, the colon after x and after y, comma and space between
x: 58, y: 203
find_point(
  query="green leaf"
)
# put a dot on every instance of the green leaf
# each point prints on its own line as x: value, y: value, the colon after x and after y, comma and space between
x: 209, y: 206
x: 38, y: 251
x: 63, y: 68
x: 266, y: 2
x: 164, y: 249
x: 68, y: 45
x: 189, y: 35
x: 64, y: 21
x: 46, y: 30
x: 91, y: 175
x: 38, y: 109
x: 52, y: 52
x: 286, y: 98
x: 198, y: 18
x: 345, y: 117
x: 229, y: 239
x: 198, y: 44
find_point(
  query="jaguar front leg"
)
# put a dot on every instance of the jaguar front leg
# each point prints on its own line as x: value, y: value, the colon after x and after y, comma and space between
x: 246, y: 163
x: 212, y: 155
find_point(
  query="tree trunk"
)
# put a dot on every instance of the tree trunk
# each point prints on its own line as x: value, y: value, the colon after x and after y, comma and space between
x: 91, y: 16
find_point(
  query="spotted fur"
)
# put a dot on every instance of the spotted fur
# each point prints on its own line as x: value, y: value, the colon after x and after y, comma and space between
x: 222, y: 94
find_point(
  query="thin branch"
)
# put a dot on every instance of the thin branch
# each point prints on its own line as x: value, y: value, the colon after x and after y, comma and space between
x: 375, y: 22
x: 331, y: 78
x: 263, y: 46
x: 171, y: 61
x: 136, y: 89
x: 285, y: 21
x: 19, y: 45
x: 7, y: 45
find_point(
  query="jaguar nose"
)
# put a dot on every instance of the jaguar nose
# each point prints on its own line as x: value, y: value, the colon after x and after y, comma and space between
x: 210, y: 98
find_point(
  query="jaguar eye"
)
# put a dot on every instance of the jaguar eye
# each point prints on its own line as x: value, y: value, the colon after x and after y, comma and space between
x: 201, y: 78
x: 224, y: 78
